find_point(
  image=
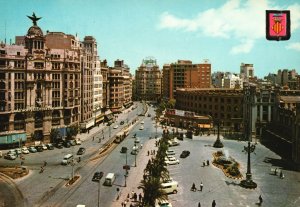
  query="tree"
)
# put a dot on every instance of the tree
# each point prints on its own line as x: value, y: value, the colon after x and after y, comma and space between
x: 72, y: 131
x: 54, y: 134
x: 152, y: 190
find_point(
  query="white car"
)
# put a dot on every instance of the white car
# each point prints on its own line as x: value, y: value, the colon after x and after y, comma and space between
x: 141, y: 127
x: 25, y: 150
x: 116, y: 126
x: 170, y: 152
x: 163, y: 203
x: 44, y: 146
x: 172, y: 161
x: 137, y: 140
x: 18, y: 151
x: 142, y: 122
x: 78, y: 141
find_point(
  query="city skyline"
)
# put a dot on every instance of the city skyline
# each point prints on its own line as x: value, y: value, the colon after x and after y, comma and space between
x: 168, y: 30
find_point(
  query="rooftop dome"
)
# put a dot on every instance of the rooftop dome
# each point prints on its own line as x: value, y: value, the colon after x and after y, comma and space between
x: 35, y: 31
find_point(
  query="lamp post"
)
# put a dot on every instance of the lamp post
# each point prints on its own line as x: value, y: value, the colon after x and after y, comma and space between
x: 135, y: 155
x: 125, y: 176
x: 218, y: 143
x: 101, y: 175
x: 248, y: 182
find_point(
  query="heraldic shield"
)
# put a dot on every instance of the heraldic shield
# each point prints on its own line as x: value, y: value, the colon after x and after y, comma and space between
x: 278, y: 25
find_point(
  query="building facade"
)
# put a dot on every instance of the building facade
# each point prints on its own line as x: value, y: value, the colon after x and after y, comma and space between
x: 40, y: 86
x: 185, y: 74
x: 224, y: 105
x: 148, y: 81
x: 98, y: 93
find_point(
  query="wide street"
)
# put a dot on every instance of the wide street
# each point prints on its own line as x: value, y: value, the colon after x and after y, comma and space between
x: 48, y: 188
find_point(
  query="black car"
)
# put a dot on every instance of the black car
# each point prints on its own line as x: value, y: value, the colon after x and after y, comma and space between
x: 49, y: 146
x: 39, y: 148
x: 81, y: 151
x: 67, y: 144
x: 59, y: 145
x: 123, y: 150
x: 97, y: 176
x: 122, y: 122
x: 184, y: 154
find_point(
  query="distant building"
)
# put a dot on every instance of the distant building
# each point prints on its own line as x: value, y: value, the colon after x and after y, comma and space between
x: 232, y: 81
x: 148, y: 81
x: 98, y: 93
x: 221, y: 104
x: 246, y: 71
x: 185, y: 74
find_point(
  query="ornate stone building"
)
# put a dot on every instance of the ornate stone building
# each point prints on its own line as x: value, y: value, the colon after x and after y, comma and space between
x: 148, y: 81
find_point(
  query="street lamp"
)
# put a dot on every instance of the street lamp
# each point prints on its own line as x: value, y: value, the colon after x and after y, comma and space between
x: 101, y: 175
x: 135, y: 155
x: 248, y: 182
x: 218, y: 143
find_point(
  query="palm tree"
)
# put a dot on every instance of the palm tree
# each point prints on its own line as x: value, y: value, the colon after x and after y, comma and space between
x: 152, y: 191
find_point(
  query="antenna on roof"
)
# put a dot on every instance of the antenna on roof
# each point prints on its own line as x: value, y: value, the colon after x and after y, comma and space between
x: 5, y: 32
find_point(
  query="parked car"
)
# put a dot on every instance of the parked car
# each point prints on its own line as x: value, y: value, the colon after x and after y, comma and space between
x: 97, y: 176
x: 122, y: 122
x: 25, y: 150
x: 66, y: 144
x: 137, y: 140
x: 50, y: 146
x: 163, y: 203
x: 123, y: 150
x: 141, y: 127
x: 18, y: 151
x: 116, y: 126
x: 44, y: 146
x: 10, y: 156
x: 72, y: 142
x: 39, y: 148
x: 184, y: 154
x: 59, y: 145
x: 172, y: 161
x: 12, y: 151
x: 142, y: 122
x: 170, y: 152
x: 149, y: 115
x: 81, y: 151
x: 32, y: 149
x: 78, y: 141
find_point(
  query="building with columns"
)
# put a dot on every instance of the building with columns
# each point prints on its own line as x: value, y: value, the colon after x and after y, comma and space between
x: 46, y: 82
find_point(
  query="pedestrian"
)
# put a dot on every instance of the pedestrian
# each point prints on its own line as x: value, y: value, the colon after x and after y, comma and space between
x: 203, y: 163
x: 213, y: 204
x: 140, y: 197
x: 99, y: 140
x: 135, y: 197
x: 22, y: 163
x: 93, y: 138
x: 148, y: 152
x: 193, y: 187
x: 275, y: 172
x: 201, y: 186
x: 122, y: 204
x: 131, y: 205
x: 207, y: 162
x: 132, y: 193
x: 45, y: 163
x: 281, y: 175
x: 260, y: 199
x: 199, y: 204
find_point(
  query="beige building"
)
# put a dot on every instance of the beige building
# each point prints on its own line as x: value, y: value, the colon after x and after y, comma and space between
x: 98, y: 93
x: 148, y: 80
x: 39, y: 86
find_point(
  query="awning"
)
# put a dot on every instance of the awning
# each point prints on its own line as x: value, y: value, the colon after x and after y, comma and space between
x: 204, y: 126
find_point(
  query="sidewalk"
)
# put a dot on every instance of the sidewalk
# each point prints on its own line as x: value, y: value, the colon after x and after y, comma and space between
x: 135, y: 176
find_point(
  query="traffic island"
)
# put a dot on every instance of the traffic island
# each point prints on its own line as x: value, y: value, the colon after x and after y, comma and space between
x: 227, y: 164
x: 14, y: 172
x: 73, y: 180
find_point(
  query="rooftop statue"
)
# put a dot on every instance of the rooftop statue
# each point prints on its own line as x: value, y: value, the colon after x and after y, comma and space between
x: 34, y: 19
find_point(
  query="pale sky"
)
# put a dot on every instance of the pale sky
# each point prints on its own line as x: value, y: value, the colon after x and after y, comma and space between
x: 227, y: 32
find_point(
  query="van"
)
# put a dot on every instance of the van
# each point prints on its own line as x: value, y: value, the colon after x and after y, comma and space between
x: 170, y: 187
x: 109, y: 179
x: 67, y: 159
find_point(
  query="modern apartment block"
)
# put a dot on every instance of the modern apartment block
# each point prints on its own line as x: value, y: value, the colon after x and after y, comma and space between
x: 185, y: 74
x: 120, y: 92
x: 148, y: 81
x: 98, y: 93
x: 105, y: 82
x: 88, y: 62
x: 246, y: 71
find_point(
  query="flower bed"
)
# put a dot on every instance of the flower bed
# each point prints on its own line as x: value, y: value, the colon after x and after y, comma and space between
x: 227, y: 164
